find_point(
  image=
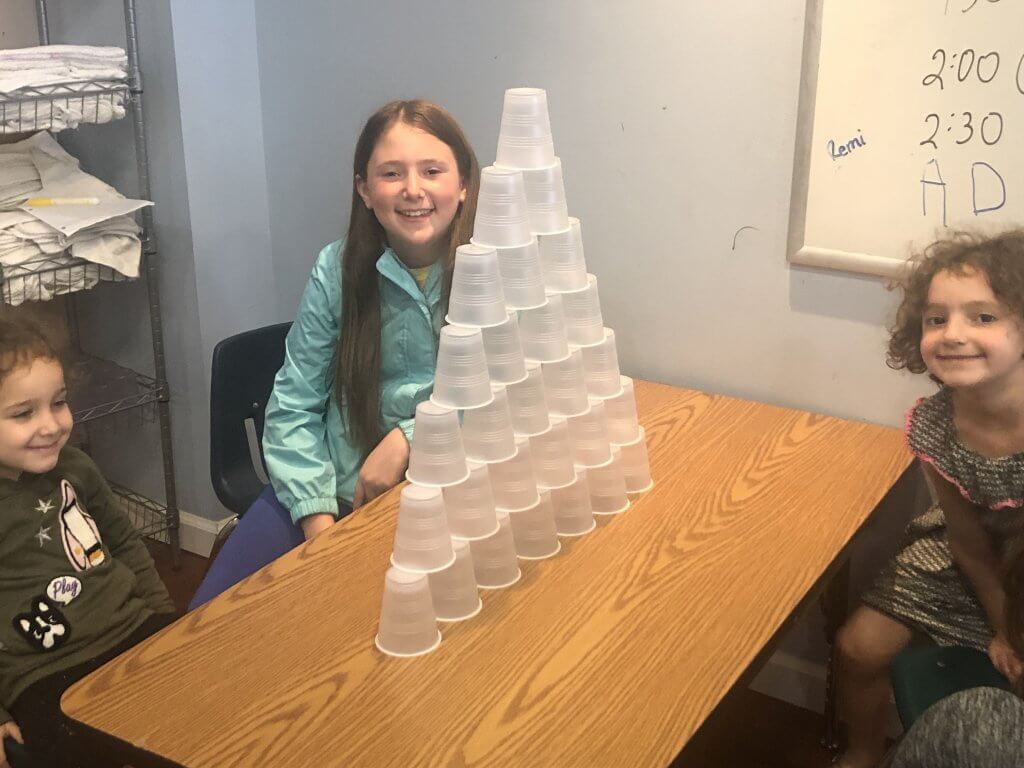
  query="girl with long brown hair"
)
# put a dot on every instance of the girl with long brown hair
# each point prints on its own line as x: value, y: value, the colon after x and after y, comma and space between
x: 362, y: 350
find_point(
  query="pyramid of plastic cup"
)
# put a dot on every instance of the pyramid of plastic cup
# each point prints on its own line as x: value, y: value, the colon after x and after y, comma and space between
x: 531, y: 430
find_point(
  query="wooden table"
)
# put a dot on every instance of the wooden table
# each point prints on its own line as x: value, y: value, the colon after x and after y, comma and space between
x: 612, y: 653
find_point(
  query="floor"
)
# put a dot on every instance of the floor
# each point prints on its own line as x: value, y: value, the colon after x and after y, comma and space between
x: 747, y: 730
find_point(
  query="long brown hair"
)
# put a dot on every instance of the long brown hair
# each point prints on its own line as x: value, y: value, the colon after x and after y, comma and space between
x: 357, y: 378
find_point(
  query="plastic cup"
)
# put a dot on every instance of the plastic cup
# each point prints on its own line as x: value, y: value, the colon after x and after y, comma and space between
x: 407, y: 626
x: 636, y: 468
x: 562, y: 260
x: 582, y: 309
x: 422, y: 542
x: 553, y: 455
x: 573, y: 513
x: 565, y: 386
x: 461, y: 379
x: 436, y: 456
x: 542, y: 332
x: 504, y: 352
x: 524, y: 139
x: 453, y: 590
x: 527, y: 402
x: 513, y: 481
x: 477, y: 298
x: 533, y: 530
x: 545, y: 198
x: 521, y: 275
x: 601, y: 367
x: 494, y: 558
x: 588, y: 435
x: 501, y: 213
x: 620, y: 414
x: 487, y: 431
x: 608, y: 486
x: 469, y: 506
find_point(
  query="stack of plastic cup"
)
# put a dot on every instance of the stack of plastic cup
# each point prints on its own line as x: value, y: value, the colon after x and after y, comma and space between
x: 524, y: 139
x: 553, y: 455
x: 521, y: 275
x: 514, y: 482
x: 542, y: 332
x: 436, y: 456
x: 408, y: 626
x: 608, y: 486
x: 588, y: 435
x: 505, y: 361
x: 635, y: 464
x: 494, y: 558
x: 565, y: 386
x: 477, y: 298
x: 601, y: 365
x: 453, y: 590
x: 562, y: 260
x: 501, y: 213
x: 582, y: 309
x: 545, y: 198
x: 533, y: 530
x: 620, y: 414
x: 422, y: 541
x: 487, y: 431
x: 573, y: 513
x: 461, y: 379
x: 528, y: 403
x: 469, y: 506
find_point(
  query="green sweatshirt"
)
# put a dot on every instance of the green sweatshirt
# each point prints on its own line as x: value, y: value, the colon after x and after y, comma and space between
x: 75, y: 578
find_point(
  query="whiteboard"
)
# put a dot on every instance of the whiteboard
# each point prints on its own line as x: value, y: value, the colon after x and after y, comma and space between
x: 916, y: 112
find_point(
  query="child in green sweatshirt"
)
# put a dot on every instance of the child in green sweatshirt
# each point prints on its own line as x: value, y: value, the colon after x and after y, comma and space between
x: 77, y: 586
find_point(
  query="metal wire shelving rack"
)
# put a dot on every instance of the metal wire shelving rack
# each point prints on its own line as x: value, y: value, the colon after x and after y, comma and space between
x: 99, y: 388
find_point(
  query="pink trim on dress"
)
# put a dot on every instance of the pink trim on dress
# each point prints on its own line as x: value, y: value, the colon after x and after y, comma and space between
x: 1005, y: 504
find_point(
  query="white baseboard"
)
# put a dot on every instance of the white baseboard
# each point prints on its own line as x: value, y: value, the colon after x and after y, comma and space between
x: 793, y: 680
x: 802, y: 683
x: 198, y: 533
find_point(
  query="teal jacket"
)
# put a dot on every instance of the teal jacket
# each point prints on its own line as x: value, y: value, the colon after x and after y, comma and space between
x: 311, y: 458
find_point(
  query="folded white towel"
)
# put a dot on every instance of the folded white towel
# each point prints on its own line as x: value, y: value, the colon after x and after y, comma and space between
x: 50, y: 64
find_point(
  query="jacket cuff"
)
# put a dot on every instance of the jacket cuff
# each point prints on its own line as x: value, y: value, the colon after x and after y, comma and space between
x: 309, y: 507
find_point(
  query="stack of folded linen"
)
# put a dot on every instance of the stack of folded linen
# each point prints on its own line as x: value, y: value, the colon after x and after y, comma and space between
x: 50, y: 250
x: 59, y: 86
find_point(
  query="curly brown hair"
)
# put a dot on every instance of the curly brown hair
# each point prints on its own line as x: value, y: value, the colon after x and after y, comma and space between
x: 21, y: 342
x: 1000, y: 259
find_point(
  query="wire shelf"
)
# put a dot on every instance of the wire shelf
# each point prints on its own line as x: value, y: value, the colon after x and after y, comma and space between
x: 98, y: 388
x: 62, y: 105
x: 150, y: 518
x: 43, y: 278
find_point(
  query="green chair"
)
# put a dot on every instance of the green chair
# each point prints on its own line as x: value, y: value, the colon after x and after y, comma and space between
x: 923, y: 676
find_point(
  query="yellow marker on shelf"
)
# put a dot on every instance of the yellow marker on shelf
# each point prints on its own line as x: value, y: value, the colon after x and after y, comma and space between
x: 43, y: 201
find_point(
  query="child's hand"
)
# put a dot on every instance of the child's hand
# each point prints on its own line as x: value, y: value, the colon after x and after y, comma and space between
x: 10, y: 728
x: 383, y: 468
x: 1004, y: 659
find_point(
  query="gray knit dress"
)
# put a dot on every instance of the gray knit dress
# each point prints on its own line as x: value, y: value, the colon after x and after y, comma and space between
x: 921, y: 587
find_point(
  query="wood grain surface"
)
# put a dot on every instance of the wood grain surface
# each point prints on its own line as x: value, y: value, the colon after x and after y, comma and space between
x: 611, y: 653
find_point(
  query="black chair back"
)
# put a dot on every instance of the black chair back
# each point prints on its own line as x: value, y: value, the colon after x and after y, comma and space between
x: 242, y: 377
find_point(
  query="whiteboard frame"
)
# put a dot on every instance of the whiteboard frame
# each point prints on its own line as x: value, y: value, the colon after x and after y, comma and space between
x: 799, y: 252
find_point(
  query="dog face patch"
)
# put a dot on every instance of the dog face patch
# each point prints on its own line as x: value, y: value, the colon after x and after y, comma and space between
x: 44, y: 626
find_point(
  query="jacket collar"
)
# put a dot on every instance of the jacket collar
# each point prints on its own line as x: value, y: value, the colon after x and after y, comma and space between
x: 391, y: 267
